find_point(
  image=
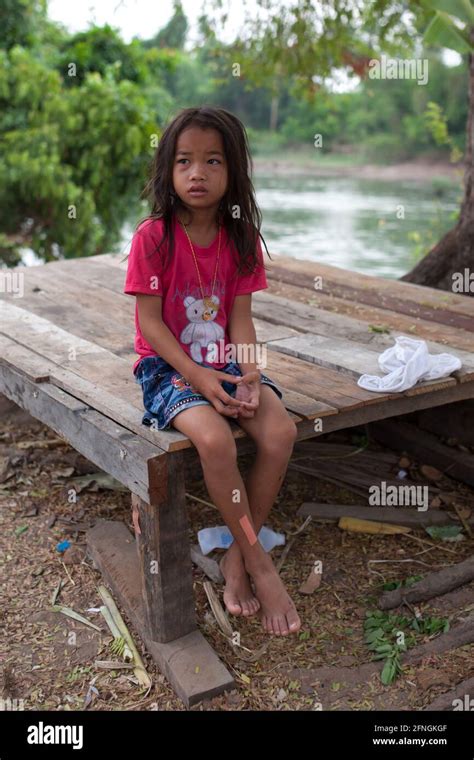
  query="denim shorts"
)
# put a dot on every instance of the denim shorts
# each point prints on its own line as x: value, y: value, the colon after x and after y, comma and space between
x: 166, y: 392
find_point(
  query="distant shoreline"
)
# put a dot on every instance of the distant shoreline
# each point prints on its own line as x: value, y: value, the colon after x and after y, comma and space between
x: 408, y: 170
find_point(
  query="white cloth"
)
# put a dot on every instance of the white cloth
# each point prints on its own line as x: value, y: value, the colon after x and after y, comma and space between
x: 407, y: 363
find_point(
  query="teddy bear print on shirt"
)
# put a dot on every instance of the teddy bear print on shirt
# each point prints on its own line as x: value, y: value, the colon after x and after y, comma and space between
x: 201, y: 329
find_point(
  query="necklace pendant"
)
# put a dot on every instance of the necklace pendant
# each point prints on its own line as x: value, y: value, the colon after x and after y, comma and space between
x: 209, y: 303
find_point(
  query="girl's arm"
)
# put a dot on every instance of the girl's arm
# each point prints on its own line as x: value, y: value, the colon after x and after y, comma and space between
x: 160, y: 337
x: 242, y: 333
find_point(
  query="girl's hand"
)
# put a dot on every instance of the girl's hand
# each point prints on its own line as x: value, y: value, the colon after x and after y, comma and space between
x: 207, y: 382
x: 248, y: 391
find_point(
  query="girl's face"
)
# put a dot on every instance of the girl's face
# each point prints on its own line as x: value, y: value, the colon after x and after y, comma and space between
x: 200, y: 163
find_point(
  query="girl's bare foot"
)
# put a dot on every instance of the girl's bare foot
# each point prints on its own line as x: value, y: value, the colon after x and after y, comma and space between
x: 238, y: 595
x: 278, y: 612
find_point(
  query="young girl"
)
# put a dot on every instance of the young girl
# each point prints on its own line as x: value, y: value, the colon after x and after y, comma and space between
x: 193, y: 265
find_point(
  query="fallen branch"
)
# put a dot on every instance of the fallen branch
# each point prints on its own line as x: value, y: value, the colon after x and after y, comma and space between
x: 434, y: 584
x: 447, y: 701
x: 457, y: 637
x: 411, y: 517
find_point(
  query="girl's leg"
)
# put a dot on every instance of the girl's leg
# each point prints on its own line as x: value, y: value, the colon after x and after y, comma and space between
x: 274, y: 434
x: 211, y: 434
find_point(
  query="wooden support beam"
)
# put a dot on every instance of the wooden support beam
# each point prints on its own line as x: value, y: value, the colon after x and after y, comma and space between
x: 161, y: 530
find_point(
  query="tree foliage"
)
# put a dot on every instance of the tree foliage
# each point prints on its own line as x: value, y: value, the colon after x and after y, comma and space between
x: 74, y: 143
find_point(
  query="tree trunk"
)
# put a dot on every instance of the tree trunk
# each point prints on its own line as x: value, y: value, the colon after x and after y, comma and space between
x: 274, y: 113
x: 455, y: 251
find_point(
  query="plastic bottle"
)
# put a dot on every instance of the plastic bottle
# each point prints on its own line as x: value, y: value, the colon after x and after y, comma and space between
x: 220, y: 537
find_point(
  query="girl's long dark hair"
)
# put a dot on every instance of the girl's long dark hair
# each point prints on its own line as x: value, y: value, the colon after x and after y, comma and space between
x: 243, y: 231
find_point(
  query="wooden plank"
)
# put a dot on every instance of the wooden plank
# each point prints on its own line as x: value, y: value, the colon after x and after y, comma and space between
x: 94, y: 271
x: 406, y: 293
x: 93, y: 374
x: 313, y: 320
x: 348, y: 358
x: 266, y: 331
x: 97, y: 270
x: 110, y: 446
x: 320, y: 383
x: 306, y: 317
x: 305, y: 406
x: 92, y: 313
x: 55, y: 278
x: 48, y: 286
x: 84, y: 316
x: 394, y: 515
x: 419, y: 328
x: 189, y: 663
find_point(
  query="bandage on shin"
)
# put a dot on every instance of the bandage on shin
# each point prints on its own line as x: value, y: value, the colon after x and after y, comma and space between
x: 248, y: 530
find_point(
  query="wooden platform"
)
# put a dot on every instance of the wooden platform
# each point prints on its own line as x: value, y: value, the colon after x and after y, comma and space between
x: 67, y: 355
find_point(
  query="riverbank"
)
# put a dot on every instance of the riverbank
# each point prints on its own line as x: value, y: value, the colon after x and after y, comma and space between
x: 344, y: 166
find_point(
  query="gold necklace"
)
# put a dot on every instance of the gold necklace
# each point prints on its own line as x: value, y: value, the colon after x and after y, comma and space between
x: 207, y: 300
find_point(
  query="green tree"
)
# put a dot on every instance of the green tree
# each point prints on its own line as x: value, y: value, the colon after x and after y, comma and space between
x: 97, y: 49
x: 20, y: 21
x: 174, y: 34
x: 71, y: 157
x: 79, y: 118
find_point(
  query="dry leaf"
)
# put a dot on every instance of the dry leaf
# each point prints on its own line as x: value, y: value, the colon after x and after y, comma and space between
x: 66, y: 472
x: 217, y: 610
x: 312, y: 582
x: 431, y: 473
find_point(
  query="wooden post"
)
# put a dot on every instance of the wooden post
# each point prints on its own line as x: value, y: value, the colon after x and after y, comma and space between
x: 161, y: 531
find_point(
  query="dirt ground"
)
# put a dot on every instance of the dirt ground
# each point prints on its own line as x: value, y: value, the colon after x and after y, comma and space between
x: 48, y: 660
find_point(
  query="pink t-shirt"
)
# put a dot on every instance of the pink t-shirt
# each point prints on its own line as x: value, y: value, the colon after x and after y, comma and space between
x: 199, y: 327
